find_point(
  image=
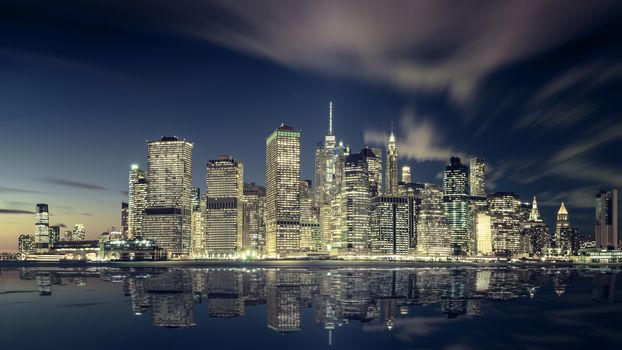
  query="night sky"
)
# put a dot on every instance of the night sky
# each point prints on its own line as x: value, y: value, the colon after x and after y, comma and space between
x: 532, y: 86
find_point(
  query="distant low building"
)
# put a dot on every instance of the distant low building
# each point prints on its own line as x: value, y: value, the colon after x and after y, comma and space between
x: 132, y: 250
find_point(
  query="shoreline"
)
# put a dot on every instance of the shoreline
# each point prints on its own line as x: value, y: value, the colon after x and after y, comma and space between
x: 300, y: 264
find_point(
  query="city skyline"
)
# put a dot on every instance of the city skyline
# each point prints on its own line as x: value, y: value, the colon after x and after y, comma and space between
x: 138, y: 176
x: 78, y: 103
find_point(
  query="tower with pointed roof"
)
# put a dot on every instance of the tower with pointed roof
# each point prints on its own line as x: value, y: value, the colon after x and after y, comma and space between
x: 391, y: 187
x: 562, y: 223
x: 534, y: 215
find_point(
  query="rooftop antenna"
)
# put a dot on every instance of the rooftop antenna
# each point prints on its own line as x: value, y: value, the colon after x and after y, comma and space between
x: 330, y: 117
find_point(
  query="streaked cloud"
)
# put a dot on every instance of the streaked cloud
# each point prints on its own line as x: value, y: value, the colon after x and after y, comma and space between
x: 73, y: 184
x: 15, y: 211
x: 418, y: 139
x: 412, y: 45
x: 16, y: 190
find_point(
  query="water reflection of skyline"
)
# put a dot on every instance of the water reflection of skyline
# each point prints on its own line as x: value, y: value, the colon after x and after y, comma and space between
x: 337, y: 296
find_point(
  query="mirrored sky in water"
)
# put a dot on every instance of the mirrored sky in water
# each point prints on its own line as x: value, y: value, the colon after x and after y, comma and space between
x: 316, y: 308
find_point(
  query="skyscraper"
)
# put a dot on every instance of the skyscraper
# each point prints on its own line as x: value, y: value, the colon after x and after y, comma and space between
x: 26, y: 244
x: 124, y: 219
x: 561, y: 224
x: 54, y: 235
x: 254, y: 223
x: 482, y: 227
x: 137, y: 202
x: 325, y: 158
x: 283, y: 191
x: 390, y: 225
x: 534, y: 214
x: 433, y: 234
x: 78, y: 233
x: 406, y: 176
x: 42, y: 228
x: 477, y: 177
x: 310, y: 239
x: 534, y: 239
x: 505, y: 222
x: 606, y: 230
x: 225, y: 204
x: 392, y: 166
x: 198, y: 223
x: 374, y: 167
x: 356, y: 204
x: 167, y: 219
x: 456, y: 202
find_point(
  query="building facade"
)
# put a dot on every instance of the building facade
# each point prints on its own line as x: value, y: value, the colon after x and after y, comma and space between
x: 197, y: 223
x: 26, y: 244
x: 390, y: 218
x: 562, y: 223
x: 78, y: 233
x: 310, y: 237
x: 42, y: 228
x: 606, y: 228
x: 456, y: 201
x: 254, y: 218
x: 391, y: 187
x: 167, y: 219
x: 137, y: 201
x: 506, y: 222
x: 356, y: 201
x: 477, y: 177
x: 482, y: 229
x: 225, y: 205
x: 433, y: 234
x: 283, y: 191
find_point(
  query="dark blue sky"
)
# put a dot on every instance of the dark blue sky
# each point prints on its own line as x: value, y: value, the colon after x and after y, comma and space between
x: 533, y: 87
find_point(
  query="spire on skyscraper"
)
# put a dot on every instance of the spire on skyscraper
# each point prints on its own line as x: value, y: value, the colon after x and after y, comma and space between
x: 330, y: 117
x: 562, y: 210
x: 534, y: 215
x: 392, y: 165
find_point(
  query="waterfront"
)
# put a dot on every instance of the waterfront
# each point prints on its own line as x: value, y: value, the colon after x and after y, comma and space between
x: 311, y: 306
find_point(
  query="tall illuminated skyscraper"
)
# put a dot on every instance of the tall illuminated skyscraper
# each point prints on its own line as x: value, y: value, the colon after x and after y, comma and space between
x: 433, y: 234
x: 124, y: 219
x: 391, y: 187
x: 310, y: 239
x: 374, y: 167
x: 254, y: 214
x: 562, y: 223
x: 225, y: 204
x: 456, y: 201
x: 42, y: 228
x: 606, y: 229
x: 535, y: 237
x: 283, y: 191
x: 356, y: 201
x: 504, y: 212
x: 167, y: 219
x: 477, y: 177
x: 198, y: 224
x: 390, y: 225
x: 137, y: 202
x: 325, y: 158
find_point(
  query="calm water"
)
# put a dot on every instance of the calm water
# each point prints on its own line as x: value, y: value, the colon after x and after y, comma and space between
x: 315, y: 308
